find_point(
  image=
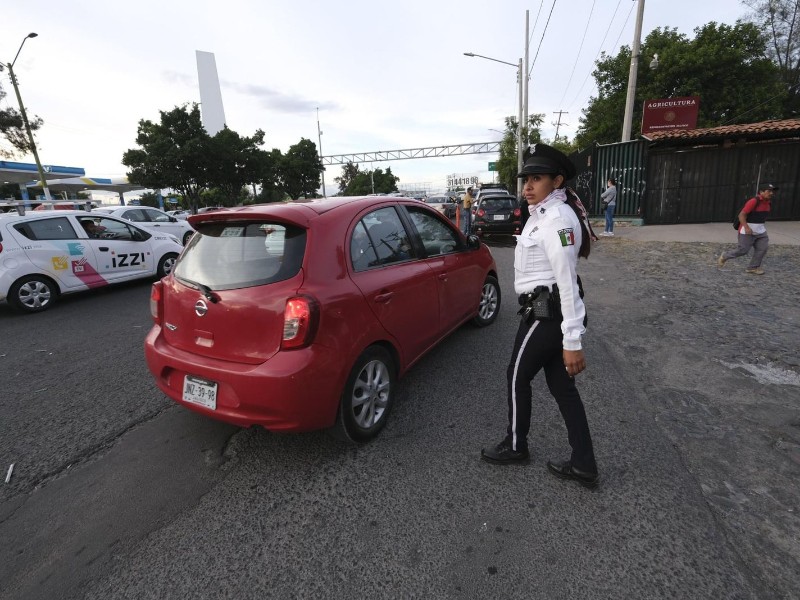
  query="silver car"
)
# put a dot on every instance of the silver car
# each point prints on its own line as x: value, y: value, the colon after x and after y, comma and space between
x: 151, y: 218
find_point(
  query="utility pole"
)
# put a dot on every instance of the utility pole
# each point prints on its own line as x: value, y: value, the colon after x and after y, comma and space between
x: 319, y: 139
x: 637, y: 35
x: 559, y: 113
x: 527, y: 78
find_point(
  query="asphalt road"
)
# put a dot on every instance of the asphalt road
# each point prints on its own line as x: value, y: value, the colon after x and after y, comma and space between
x: 117, y: 493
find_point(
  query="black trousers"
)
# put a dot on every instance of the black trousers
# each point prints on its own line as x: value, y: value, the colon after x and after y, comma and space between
x: 539, y: 346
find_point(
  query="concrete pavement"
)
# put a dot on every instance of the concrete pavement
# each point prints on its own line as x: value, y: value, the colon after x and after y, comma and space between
x: 780, y: 232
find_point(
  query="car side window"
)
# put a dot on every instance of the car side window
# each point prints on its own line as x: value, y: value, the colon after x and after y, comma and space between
x: 111, y: 229
x: 362, y: 254
x: 136, y: 215
x: 387, y: 237
x: 437, y: 237
x: 156, y: 216
x: 57, y: 228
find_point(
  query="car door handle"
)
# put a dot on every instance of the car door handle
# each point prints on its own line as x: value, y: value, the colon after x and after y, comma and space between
x: 385, y: 297
x: 442, y: 276
x: 103, y: 248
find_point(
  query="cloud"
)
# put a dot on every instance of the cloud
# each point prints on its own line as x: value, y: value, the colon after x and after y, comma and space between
x: 277, y: 100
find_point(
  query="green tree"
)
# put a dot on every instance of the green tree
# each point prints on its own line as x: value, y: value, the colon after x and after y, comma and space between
x: 149, y: 199
x: 301, y: 170
x: 12, y: 127
x: 272, y: 189
x: 172, y: 154
x: 233, y: 163
x: 724, y: 65
x: 780, y: 20
x: 382, y: 182
x: 349, y: 172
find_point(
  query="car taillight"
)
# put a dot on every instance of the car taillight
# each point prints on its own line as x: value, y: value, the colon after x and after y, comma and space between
x: 156, y: 297
x: 481, y: 212
x: 300, y: 319
x: 517, y: 212
x: 1, y: 247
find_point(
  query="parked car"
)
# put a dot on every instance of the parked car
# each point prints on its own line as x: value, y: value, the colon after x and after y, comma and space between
x: 315, y: 334
x: 496, y: 214
x: 444, y: 204
x: 179, y: 213
x: 151, y: 218
x: 44, y: 255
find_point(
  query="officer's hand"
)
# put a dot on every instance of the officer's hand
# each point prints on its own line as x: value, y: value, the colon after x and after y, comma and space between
x: 574, y: 361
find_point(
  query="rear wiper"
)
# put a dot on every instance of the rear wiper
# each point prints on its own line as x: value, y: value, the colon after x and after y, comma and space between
x: 207, y: 291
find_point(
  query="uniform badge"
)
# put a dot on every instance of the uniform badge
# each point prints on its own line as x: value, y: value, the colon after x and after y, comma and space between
x: 567, y: 237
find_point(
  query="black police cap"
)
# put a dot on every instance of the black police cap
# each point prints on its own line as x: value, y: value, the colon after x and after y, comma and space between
x: 541, y: 159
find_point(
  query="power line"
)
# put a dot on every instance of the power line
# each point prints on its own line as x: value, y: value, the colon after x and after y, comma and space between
x: 541, y: 40
x: 577, y: 57
x: 600, y: 50
x: 530, y: 37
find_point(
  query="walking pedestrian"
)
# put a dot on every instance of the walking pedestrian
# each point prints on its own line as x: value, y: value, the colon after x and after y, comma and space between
x: 553, y: 316
x: 609, y: 200
x: 753, y: 231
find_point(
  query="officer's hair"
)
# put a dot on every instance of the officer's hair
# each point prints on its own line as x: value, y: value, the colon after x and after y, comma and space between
x: 575, y: 204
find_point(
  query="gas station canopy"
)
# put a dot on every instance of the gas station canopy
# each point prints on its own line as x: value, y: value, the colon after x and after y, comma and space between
x: 23, y: 173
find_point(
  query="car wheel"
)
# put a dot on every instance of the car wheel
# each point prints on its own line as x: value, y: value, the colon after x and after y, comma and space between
x: 367, y: 396
x: 32, y: 294
x: 490, y: 303
x: 166, y: 264
x: 187, y: 236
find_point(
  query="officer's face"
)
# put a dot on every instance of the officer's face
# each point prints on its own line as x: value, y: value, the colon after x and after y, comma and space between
x: 538, y: 187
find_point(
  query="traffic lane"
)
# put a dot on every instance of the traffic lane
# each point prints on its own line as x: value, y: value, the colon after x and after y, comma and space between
x: 67, y: 532
x: 74, y: 379
x: 416, y: 513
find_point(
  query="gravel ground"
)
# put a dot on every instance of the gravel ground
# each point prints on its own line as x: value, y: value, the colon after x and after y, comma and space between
x: 717, y: 353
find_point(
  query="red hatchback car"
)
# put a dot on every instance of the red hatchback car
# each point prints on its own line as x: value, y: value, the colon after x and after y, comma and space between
x: 302, y: 315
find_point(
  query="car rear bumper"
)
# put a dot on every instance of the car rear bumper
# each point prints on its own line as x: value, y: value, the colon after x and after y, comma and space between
x: 489, y: 227
x: 296, y: 390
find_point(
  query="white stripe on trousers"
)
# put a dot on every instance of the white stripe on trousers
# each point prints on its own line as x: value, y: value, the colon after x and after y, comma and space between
x: 514, y: 385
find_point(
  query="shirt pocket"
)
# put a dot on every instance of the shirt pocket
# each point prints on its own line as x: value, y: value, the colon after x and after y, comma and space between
x: 524, y: 253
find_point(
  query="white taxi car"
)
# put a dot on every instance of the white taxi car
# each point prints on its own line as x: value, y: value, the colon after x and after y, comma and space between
x: 151, y: 218
x: 46, y: 254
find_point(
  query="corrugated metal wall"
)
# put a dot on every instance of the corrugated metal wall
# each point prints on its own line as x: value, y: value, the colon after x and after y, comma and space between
x: 627, y: 163
x: 702, y: 185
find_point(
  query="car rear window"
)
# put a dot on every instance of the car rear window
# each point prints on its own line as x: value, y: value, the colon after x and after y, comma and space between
x: 499, y: 203
x: 229, y: 255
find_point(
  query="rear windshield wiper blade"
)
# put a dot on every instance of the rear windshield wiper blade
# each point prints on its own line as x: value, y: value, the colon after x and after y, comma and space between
x: 207, y: 291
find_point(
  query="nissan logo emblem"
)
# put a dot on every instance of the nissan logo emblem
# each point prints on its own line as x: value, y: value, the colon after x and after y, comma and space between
x: 200, y: 308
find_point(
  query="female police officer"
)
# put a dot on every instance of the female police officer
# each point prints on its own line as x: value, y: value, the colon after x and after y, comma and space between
x: 549, y: 335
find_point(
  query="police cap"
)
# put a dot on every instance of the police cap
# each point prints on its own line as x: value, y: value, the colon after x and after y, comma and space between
x: 541, y: 159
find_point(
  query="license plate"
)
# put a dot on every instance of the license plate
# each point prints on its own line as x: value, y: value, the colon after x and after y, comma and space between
x: 200, y: 391
x: 499, y: 217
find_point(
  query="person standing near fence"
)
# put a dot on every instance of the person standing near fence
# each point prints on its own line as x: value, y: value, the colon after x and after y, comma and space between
x: 753, y: 231
x: 609, y: 200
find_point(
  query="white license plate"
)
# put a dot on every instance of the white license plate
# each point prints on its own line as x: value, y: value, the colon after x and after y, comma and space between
x: 499, y: 217
x: 200, y: 391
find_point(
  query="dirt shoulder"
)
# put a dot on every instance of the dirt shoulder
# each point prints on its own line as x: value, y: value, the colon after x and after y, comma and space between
x: 716, y: 355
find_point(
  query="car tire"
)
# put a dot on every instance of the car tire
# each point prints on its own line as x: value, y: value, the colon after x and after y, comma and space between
x: 187, y: 236
x: 166, y: 264
x: 367, y: 397
x: 32, y: 293
x: 489, y: 305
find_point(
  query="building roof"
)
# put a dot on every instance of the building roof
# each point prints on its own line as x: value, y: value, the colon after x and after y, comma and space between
x: 775, y: 129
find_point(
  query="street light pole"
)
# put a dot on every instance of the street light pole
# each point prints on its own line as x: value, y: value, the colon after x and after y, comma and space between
x: 319, y: 139
x: 520, y: 81
x: 13, y: 77
x: 637, y: 34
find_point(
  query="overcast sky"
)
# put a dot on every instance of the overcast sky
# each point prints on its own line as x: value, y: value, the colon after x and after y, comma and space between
x: 384, y: 75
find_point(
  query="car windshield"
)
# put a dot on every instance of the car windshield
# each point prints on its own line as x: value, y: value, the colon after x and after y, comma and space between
x: 230, y: 255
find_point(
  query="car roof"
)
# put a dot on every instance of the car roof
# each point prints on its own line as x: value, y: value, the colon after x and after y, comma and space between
x: 299, y: 212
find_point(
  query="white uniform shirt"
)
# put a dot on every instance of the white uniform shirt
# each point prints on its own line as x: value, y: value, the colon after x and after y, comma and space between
x: 547, y: 253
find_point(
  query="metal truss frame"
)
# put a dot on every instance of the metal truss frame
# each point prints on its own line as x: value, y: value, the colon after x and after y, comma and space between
x: 384, y: 155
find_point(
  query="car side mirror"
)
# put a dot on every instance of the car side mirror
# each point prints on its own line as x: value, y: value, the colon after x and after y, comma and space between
x: 473, y: 242
x: 173, y: 220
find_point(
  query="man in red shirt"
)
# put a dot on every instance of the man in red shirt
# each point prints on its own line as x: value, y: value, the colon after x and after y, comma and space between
x: 752, y: 230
